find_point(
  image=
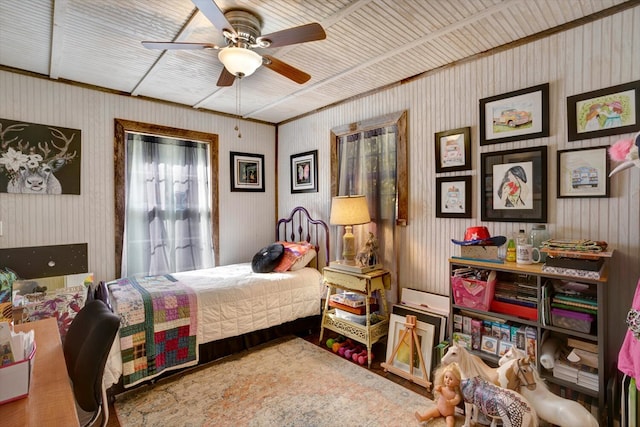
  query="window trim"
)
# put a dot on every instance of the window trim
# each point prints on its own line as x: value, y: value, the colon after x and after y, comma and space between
x: 121, y: 128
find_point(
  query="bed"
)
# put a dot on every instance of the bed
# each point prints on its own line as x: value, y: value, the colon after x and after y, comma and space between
x: 183, y: 319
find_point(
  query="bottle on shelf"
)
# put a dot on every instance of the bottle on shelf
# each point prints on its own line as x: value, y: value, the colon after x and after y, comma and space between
x: 539, y: 234
x: 511, y: 250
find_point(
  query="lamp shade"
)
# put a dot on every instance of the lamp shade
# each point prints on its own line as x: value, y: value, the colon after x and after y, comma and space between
x: 349, y: 210
x: 239, y: 61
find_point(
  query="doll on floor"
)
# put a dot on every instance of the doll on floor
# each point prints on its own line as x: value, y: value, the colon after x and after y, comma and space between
x: 447, y: 390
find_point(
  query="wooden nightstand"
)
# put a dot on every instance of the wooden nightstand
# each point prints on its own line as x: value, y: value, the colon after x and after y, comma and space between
x: 365, y: 284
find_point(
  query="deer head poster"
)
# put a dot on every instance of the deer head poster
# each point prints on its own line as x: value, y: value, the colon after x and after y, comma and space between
x: 39, y: 159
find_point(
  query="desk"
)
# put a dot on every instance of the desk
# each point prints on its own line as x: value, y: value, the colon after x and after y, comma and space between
x: 50, y: 401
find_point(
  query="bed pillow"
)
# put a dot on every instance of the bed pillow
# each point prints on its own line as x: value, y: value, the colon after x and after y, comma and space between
x: 292, y: 252
x: 304, y: 260
x: 267, y: 258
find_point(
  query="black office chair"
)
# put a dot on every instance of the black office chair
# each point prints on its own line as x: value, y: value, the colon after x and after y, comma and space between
x: 86, y: 349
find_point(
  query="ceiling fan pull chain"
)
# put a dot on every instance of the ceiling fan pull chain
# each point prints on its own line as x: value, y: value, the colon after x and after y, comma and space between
x: 238, y: 106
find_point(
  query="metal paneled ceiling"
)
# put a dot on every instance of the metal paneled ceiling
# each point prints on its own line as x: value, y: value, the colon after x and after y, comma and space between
x: 370, y: 44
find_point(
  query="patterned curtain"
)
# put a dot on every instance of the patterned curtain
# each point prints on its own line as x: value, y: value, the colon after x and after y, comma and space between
x: 367, y: 165
x: 168, y: 207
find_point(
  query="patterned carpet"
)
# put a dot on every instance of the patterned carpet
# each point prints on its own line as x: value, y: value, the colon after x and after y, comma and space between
x: 287, y: 383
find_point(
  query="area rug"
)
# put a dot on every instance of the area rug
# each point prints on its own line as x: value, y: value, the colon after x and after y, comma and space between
x: 288, y: 383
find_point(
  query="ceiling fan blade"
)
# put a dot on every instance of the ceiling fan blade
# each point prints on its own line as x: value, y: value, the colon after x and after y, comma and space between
x: 226, y: 78
x: 179, y: 45
x: 285, y: 69
x: 210, y: 9
x: 301, y: 34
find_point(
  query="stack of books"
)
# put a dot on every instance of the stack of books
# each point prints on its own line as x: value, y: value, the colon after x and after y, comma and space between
x: 577, y: 258
x: 574, y: 297
x: 580, y: 366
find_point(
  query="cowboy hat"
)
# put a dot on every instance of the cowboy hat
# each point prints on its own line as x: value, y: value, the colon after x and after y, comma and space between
x: 479, y: 235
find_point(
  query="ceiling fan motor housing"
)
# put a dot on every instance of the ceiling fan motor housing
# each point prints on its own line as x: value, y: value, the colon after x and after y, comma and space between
x: 247, y: 25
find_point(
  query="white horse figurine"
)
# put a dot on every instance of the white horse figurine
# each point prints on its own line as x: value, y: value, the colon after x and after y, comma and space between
x: 515, y: 372
x: 494, y: 401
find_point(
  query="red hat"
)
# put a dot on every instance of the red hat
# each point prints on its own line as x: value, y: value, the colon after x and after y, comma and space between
x: 479, y: 235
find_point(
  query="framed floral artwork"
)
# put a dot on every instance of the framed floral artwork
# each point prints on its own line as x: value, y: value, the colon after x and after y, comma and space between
x: 514, y: 116
x: 604, y: 112
x: 514, y: 185
x: 304, y: 172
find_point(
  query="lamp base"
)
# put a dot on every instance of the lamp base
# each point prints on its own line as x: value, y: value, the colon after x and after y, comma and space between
x: 353, y: 268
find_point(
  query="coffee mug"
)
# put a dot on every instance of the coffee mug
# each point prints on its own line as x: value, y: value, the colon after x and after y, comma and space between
x: 527, y: 254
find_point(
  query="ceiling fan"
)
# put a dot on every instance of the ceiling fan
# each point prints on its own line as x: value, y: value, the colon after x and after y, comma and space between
x: 242, y: 33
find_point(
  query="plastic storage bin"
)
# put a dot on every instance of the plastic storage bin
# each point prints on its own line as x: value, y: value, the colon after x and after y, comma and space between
x: 574, y: 320
x: 473, y: 293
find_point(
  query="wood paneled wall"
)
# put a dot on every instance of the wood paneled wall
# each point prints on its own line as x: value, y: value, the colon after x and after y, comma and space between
x: 597, y: 55
x: 36, y: 220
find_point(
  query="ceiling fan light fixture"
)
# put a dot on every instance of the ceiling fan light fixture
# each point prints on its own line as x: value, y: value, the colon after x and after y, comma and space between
x: 239, y: 61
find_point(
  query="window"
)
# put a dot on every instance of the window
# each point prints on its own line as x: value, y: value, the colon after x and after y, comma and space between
x: 166, y: 185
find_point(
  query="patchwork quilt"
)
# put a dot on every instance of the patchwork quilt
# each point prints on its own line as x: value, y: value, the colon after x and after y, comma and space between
x: 158, y: 326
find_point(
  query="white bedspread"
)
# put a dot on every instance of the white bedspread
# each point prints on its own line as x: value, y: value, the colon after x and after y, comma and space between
x: 232, y: 300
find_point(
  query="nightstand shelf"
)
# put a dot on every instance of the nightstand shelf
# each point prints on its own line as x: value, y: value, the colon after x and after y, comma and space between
x: 366, y: 284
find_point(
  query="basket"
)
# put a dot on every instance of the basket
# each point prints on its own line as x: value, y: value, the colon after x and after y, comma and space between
x: 473, y: 293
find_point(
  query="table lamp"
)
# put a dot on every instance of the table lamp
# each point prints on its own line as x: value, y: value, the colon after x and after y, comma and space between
x: 349, y: 211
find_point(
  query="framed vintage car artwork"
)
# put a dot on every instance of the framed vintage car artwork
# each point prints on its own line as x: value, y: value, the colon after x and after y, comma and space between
x: 453, y: 150
x: 513, y: 185
x: 247, y: 171
x: 514, y: 116
x: 583, y: 172
x: 453, y: 197
x: 604, y: 112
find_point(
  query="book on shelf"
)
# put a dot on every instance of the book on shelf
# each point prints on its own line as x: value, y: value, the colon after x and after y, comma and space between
x: 582, y: 345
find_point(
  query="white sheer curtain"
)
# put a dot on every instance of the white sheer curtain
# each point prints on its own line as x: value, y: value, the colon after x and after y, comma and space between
x: 367, y: 164
x: 168, y: 206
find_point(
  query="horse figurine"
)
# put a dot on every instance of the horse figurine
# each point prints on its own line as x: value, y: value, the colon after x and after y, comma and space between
x: 478, y: 391
x: 515, y: 372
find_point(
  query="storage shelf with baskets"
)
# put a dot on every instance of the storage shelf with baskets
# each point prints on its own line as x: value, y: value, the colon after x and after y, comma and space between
x: 478, y: 298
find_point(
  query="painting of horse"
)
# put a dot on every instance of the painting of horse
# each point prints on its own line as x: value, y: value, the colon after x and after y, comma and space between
x: 479, y: 390
x: 515, y: 372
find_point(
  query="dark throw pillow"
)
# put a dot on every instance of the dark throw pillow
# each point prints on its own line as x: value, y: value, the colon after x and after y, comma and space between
x: 267, y: 258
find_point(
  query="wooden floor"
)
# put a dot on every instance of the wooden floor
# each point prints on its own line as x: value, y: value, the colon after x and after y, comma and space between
x: 379, y: 351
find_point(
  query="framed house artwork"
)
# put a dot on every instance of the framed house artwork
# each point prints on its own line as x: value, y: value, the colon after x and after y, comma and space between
x: 583, y: 172
x: 39, y: 159
x: 514, y: 116
x: 453, y: 150
x: 514, y: 185
x: 453, y: 197
x: 304, y: 172
x: 604, y: 112
x: 247, y: 172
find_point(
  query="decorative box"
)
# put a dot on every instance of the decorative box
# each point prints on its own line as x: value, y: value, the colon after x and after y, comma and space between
x: 15, y: 378
x: 473, y: 293
x: 573, y: 320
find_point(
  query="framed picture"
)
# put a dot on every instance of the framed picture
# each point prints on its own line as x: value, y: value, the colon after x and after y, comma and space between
x: 583, y: 172
x: 453, y: 150
x: 514, y: 116
x: 402, y: 358
x: 604, y: 112
x: 247, y: 172
x: 514, y: 185
x: 304, y: 172
x: 438, y: 321
x: 453, y: 197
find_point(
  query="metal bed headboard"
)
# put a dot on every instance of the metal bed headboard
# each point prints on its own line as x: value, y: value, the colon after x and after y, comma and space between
x: 300, y: 226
